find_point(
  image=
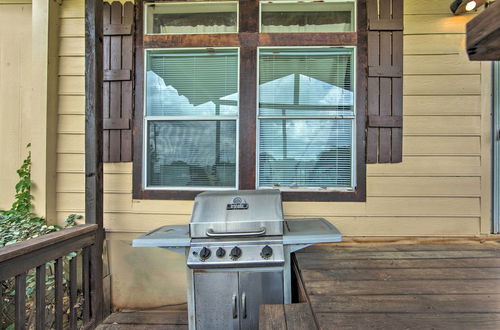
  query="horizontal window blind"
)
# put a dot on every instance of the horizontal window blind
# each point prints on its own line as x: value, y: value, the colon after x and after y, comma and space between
x: 307, y: 16
x: 191, y: 115
x: 191, y: 83
x: 306, y: 118
x: 192, y: 17
x: 191, y: 153
x: 311, y: 153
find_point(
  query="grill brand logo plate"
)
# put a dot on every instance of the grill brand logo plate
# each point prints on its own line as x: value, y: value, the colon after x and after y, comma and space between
x: 237, y: 203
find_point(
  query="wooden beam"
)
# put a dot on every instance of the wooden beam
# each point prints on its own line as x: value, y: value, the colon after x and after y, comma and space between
x: 483, y: 35
x: 93, y: 148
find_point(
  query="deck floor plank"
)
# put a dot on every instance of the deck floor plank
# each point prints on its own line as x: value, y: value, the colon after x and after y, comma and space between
x: 401, y: 274
x: 403, y: 286
x: 308, y: 262
x: 272, y: 317
x: 142, y: 327
x: 380, y: 247
x: 145, y: 320
x: 446, y: 303
x: 398, y: 321
x: 299, y: 317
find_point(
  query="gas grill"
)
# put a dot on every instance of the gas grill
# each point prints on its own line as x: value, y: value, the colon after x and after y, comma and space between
x: 238, y: 249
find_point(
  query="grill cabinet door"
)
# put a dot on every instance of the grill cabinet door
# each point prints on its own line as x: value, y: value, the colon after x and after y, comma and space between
x: 216, y: 296
x: 258, y: 288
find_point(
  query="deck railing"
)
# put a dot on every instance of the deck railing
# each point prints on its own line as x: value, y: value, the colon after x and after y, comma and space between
x: 30, y: 258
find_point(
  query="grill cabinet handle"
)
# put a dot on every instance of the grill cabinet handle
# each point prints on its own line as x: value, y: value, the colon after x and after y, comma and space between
x: 212, y: 233
x: 244, y: 304
x: 235, y: 308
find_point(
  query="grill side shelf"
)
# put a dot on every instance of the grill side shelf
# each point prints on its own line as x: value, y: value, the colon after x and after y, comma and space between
x: 166, y: 237
x: 310, y: 231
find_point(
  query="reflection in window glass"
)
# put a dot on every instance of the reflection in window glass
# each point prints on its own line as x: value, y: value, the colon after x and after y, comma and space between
x: 192, y: 83
x: 306, y: 117
x: 191, y: 113
x: 192, y: 17
x: 191, y: 153
x: 310, y: 153
x: 324, y: 16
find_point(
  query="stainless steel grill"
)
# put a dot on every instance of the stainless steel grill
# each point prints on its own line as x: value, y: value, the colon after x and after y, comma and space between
x: 237, y: 249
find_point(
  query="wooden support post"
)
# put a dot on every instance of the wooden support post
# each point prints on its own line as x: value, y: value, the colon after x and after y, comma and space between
x: 93, y: 148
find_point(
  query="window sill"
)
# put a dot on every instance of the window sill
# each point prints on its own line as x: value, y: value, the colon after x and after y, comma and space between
x: 357, y: 195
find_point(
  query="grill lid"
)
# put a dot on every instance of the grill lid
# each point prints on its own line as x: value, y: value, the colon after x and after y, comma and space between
x: 237, y: 213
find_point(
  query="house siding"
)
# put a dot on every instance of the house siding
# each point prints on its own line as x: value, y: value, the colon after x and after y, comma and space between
x: 440, y: 189
x: 15, y: 79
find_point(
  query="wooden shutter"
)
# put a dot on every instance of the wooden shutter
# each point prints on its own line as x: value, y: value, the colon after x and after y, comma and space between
x: 385, y: 81
x: 118, y: 81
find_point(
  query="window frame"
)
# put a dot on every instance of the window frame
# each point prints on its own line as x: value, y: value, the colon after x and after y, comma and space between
x: 147, y: 118
x: 353, y: 136
x: 248, y: 39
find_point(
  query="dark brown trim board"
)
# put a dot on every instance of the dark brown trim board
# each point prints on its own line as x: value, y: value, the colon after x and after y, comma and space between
x: 248, y: 40
x: 93, y: 147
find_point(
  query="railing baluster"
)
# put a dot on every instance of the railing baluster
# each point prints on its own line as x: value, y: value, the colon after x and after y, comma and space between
x: 59, y: 293
x: 73, y: 286
x: 17, y: 260
x: 1, y: 296
x: 86, y: 284
x: 40, y: 297
x: 21, y: 301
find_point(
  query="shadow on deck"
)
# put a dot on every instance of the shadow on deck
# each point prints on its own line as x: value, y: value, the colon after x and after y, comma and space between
x: 378, y: 286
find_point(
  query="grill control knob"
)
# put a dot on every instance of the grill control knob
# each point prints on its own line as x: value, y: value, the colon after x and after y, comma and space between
x: 235, y: 253
x: 267, y: 252
x: 220, y: 253
x: 205, y: 253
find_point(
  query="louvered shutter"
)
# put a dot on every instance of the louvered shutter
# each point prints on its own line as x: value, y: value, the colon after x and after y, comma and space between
x: 385, y: 81
x: 118, y: 81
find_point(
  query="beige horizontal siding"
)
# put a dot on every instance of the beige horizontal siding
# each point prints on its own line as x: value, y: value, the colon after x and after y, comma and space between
x: 439, y: 190
x: 438, y: 184
x: 15, y: 96
x: 442, y: 105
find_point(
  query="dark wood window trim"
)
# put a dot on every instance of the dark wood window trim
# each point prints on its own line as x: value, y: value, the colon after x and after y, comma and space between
x: 248, y: 39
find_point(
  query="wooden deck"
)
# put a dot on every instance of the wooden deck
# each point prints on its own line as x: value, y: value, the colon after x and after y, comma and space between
x: 377, y: 286
x: 409, y: 286
x: 145, y: 320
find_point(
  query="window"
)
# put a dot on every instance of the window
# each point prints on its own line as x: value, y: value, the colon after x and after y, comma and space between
x: 250, y: 95
x: 290, y: 16
x: 306, y: 118
x: 190, y: 122
x: 192, y: 17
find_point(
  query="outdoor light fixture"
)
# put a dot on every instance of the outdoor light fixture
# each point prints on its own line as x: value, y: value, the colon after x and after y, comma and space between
x: 458, y: 7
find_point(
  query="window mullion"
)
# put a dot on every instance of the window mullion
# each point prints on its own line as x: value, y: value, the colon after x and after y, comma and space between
x: 247, y: 116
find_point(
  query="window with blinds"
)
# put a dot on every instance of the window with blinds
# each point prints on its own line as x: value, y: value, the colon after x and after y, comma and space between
x: 191, y: 115
x: 307, y: 16
x: 306, y: 118
x: 191, y: 17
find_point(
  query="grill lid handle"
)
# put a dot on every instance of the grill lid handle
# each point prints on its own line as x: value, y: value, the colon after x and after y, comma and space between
x: 212, y: 233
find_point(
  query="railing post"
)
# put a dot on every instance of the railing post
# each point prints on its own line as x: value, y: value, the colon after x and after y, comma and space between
x: 93, y: 148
